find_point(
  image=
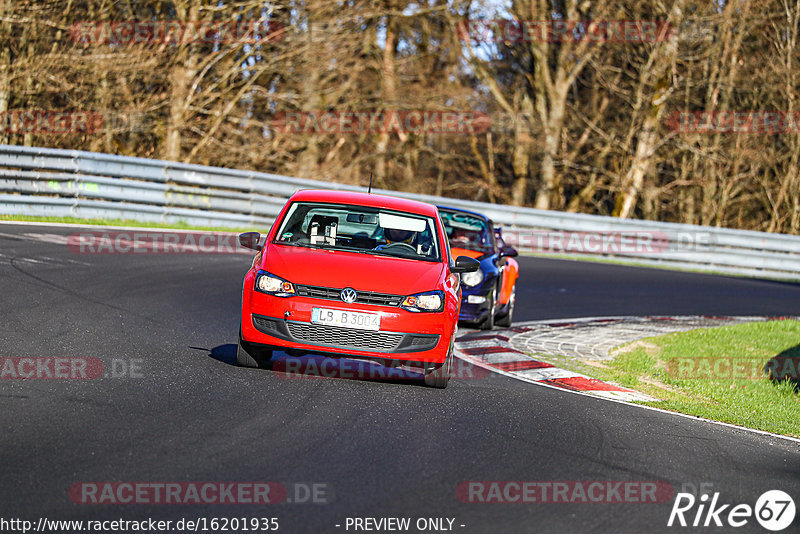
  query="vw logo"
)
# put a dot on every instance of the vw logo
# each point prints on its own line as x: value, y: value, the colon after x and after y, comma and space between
x: 348, y: 295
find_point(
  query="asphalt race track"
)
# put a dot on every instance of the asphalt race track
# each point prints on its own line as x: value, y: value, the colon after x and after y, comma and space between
x: 179, y: 410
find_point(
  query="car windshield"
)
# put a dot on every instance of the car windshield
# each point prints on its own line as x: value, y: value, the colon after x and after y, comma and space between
x: 466, y: 231
x: 359, y: 229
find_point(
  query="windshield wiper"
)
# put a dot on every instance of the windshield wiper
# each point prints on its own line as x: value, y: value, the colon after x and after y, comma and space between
x: 295, y: 244
x: 324, y: 247
x: 408, y: 255
x: 353, y: 249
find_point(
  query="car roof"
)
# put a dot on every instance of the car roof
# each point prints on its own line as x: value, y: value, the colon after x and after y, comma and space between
x: 365, y: 199
x: 475, y: 213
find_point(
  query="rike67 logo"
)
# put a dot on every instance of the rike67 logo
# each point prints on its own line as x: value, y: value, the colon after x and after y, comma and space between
x: 774, y: 510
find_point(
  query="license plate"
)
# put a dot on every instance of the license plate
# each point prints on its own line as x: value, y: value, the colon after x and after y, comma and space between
x: 346, y: 319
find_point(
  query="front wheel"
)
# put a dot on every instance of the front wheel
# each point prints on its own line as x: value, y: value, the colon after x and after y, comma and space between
x: 506, y: 319
x: 248, y: 355
x: 488, y: 322
x: 438, y: 376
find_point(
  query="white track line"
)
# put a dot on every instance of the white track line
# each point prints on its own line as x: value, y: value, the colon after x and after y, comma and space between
x: 620, y: 399
x: 111, y: 227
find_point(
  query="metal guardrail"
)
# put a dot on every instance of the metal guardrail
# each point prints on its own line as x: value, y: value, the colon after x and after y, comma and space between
x: 61, y: 183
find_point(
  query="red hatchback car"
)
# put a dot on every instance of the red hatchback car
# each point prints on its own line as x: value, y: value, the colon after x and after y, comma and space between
x: 354, y: 274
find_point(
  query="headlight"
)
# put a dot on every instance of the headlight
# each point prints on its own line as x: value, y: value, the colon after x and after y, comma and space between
x: 432, y: 301
x: 472, y: 279
x: 273, y: 285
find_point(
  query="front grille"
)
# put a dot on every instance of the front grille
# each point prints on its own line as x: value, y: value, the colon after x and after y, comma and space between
x: 416, y: 341
x: 364, y: 297
x: 345, y: 337
x: 317, y: 292
x: 264, y: 323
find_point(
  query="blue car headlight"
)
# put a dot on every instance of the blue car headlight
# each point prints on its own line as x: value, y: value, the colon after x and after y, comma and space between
x: 472, y: 279
x: 431, y: 301
x: 273, y: 285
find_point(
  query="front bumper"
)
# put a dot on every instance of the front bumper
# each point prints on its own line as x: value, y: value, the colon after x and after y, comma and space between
x: 285, y: 323
x: 475, y: 312
x: 298, y: 332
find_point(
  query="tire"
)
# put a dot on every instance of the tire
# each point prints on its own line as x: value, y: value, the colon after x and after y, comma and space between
x: 508, y: 317
x: 488, y: 323
x: 248, y: 355
x: 438, y: 376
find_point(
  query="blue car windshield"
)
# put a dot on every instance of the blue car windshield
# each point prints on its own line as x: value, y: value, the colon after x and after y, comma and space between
x: 466, y: 231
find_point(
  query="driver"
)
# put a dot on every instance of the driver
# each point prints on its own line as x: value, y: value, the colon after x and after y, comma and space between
x: 393, y: 235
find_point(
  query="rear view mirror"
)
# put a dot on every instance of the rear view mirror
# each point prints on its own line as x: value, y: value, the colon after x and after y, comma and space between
x: 465, y: 264
x: 250, y: 240
x: 509, y: 252
x: 362, y: 218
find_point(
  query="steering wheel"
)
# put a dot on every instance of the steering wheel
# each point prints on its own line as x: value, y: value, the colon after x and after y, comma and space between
x: 410, y: 247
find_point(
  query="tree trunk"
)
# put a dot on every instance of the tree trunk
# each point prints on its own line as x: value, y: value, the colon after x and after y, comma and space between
x: 642, y: 160
x: 389, y: 97
x: 658, y: 69
x: 5, y: 92
x: 554, y: 123
x: 5, y: 67
x: 180, y: 80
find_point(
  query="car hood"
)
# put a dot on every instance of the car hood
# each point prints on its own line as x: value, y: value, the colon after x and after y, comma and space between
x: 339, y: 269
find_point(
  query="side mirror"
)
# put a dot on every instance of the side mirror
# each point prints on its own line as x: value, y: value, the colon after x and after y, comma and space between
x: 508, y: 252
x: 465, y: 264
x: 250, y: 240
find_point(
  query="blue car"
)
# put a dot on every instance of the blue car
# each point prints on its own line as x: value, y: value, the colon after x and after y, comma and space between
x: 488, y: 294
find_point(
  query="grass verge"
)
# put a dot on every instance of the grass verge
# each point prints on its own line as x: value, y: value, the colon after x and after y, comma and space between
x: 716, y: 373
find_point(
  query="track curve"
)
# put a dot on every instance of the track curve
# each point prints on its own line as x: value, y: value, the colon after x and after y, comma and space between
x: 382, y: 449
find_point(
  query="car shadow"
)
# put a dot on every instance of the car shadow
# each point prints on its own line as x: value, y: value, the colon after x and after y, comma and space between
x: 785, y: 366
x: 314, y: 366
x: 224, y: 353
